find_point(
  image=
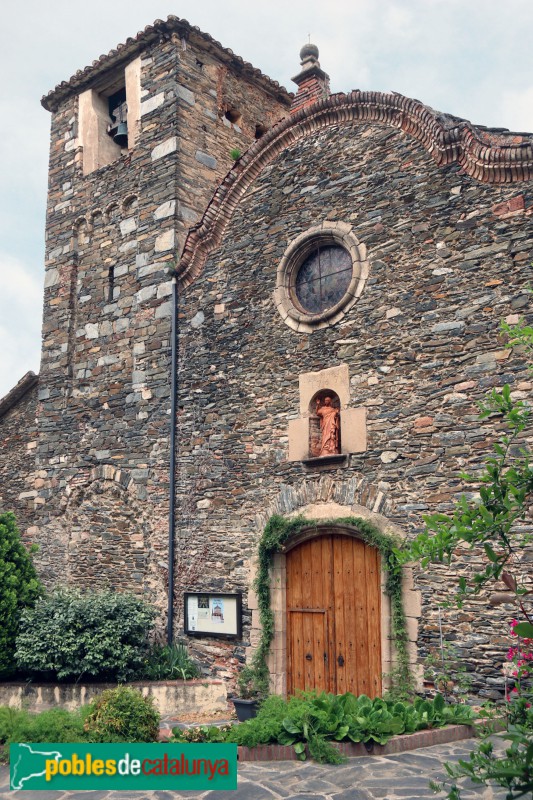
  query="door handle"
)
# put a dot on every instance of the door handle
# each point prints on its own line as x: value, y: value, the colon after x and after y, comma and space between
x: 340, y: 661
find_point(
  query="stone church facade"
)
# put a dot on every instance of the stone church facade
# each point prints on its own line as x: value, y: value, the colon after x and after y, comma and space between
x: 357, y: 255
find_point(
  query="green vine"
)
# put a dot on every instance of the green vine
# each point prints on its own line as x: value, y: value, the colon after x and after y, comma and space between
x: 277, y: 531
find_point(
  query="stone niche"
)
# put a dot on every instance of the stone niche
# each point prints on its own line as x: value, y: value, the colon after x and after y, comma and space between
x: 304, y: 432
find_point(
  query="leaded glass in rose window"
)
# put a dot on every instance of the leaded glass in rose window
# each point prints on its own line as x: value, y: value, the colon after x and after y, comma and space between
x: 323, y: 279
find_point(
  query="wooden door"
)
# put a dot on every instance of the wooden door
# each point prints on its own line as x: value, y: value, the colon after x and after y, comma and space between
x: 334, y: 616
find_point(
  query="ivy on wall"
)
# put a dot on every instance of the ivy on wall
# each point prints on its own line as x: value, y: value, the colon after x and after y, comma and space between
x: 277, y: 531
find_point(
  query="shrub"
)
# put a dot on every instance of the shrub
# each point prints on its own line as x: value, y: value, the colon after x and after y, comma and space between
x: 19, y: 588
x: 122, y: 715
x: 265, y: 727
x: 202, y: 733
x: 70, y: 635
x: 314, y: 722
x: 171, y: 662
x: 55, y: 725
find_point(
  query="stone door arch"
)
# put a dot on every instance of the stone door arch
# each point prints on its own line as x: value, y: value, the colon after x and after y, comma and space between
x: 323, y: 518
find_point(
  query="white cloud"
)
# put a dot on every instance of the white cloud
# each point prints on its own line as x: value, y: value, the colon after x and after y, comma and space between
x: 517, y: 109
x: 20, y: 321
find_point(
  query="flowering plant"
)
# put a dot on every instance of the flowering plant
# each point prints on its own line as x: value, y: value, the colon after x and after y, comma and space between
x: 520, y: 654
x: 519, y: 665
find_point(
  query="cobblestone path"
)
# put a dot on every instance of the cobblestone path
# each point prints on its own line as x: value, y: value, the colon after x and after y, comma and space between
x: 399, y: 777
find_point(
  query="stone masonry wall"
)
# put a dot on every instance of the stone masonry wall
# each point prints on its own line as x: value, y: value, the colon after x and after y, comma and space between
x: 18, y: 432
x: 448, y: 260
x: 101, y: 504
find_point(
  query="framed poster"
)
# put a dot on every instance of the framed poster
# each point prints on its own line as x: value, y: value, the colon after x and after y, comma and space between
x: 211, y: 614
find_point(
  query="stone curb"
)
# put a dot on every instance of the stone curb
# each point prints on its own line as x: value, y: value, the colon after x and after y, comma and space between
x: 397, y: 744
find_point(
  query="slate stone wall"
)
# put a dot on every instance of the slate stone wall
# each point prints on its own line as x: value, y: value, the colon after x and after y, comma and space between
x: 18, y: 431
x: 448, y: 261
x: 101, y: 506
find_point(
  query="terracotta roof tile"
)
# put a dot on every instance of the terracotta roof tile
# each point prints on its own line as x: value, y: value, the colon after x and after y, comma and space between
x: 133, y: 46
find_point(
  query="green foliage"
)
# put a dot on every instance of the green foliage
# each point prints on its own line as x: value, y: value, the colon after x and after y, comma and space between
x: 252, y: 682
x: 55, y: 725
x: 122, y: 715
x: 445, y: 669
x: 524, y: 629
x: 71, y: 635
x: 360, y: 719
x: 312, y: 722
x: 235, y: 154
x: 169, y: 662
x: 494, y: 525
x: 201, y: 734
x: 265, y: 727
x: 513, y: 770
x: 19, y: 588
x: 117, y: 715
x: 277, y: 531
x: 489, y: 524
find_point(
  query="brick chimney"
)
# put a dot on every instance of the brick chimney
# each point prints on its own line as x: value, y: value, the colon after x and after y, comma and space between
x: 312, y: 81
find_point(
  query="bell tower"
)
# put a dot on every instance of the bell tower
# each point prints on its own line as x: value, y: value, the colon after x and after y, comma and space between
x: 139, y: 141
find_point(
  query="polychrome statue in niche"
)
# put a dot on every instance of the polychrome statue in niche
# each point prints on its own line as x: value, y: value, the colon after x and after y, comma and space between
x: 329, y: 427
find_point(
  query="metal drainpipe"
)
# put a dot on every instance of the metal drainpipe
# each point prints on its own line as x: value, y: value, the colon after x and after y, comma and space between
x: 172, y: 468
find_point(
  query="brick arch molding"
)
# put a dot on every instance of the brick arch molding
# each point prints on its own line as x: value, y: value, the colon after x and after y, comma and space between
x: 485, y: 156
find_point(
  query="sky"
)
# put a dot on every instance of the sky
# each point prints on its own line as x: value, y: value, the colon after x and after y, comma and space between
x: 470, y: 58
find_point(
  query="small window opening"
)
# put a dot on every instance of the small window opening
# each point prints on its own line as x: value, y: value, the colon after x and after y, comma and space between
x: 111, y: 284
x: 260, y: 130
x: 199, y: 64
x: 118, y: 111
x: 233, y: 115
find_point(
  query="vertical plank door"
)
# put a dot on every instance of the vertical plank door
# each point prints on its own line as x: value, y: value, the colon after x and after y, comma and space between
x: 334, y: 616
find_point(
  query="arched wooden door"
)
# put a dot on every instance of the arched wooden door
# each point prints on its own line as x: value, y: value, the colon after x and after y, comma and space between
x: 334, y: 616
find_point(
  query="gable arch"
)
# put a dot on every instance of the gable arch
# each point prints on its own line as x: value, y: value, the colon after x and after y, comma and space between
x: 486, y: 157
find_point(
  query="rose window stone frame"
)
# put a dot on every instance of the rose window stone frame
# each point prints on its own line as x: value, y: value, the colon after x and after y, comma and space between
x: 338, y: 234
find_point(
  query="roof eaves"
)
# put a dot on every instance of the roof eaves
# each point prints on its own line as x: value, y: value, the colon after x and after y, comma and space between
x: 16, y: 394
x: 160, y: 29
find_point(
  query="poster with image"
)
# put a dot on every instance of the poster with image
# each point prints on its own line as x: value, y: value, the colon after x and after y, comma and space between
x: 203, y: 606
x: 213, y: 614
x: 217, y: 610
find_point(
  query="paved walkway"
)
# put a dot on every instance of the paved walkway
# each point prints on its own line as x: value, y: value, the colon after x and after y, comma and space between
x: 400, y: 777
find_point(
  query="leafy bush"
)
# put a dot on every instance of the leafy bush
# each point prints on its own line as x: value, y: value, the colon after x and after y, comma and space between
x: 122, y: 715
x: 493, y: 524
x: 70, y: 635
x: 312, y: 721
x: 171, y: 662
x: 55, y: 725
x: 19, y: 588
x: 265, y: 727
x: 202, y: 733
